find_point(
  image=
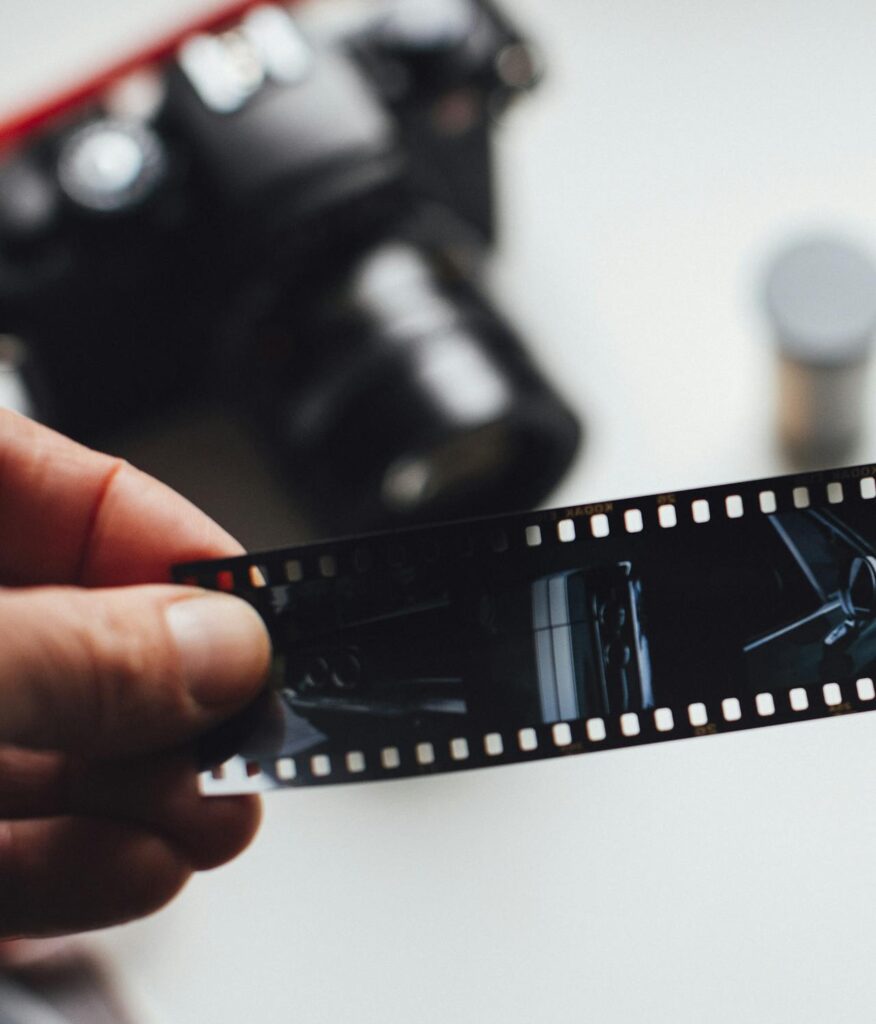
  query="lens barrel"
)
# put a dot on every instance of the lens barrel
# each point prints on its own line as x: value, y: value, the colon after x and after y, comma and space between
x: 405, y: 397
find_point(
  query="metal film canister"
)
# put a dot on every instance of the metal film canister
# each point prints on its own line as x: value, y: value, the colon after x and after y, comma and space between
x: 820, y: 297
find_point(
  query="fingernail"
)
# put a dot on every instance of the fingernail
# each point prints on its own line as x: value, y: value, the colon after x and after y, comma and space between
x: 223, y: 647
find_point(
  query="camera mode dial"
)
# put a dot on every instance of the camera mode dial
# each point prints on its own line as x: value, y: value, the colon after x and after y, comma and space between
x: 110, y: 166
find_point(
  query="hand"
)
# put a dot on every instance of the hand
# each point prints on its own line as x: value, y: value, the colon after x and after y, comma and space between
x: 104, y: 676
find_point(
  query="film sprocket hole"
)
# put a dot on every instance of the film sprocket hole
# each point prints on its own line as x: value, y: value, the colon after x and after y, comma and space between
x: 292, y: 213
x: 461, y: 645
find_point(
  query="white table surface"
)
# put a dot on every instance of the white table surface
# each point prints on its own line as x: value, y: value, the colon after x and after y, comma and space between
x: 673, y: 145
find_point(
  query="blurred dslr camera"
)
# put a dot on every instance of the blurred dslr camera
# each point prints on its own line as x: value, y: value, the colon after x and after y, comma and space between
x: 290, y: 211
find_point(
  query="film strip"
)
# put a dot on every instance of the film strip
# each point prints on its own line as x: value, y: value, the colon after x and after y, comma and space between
x: 544, y: 634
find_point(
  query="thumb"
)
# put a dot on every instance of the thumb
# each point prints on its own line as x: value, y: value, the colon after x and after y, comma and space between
x: 125, y: 670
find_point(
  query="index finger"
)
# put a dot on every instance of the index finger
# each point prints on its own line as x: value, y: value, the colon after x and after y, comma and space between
x: 72, y: 515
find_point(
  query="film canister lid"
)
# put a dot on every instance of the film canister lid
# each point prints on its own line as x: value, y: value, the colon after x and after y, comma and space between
x: 820, y: 296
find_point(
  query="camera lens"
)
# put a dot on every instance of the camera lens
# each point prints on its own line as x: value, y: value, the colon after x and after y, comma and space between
x: 403, y: 396
x: 415, y: 480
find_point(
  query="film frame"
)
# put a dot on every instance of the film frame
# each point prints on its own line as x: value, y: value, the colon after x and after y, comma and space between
x: 542, y: 545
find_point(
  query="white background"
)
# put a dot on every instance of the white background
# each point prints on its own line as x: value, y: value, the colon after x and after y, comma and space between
x: 672, y: 147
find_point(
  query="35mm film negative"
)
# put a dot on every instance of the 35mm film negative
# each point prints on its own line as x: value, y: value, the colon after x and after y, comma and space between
x: 544, y: 634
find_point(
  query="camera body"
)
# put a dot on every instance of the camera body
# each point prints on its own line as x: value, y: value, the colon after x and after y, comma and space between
x: 291, y: 213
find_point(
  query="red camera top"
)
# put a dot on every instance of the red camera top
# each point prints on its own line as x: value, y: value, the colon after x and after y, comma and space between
x: 31, y: 118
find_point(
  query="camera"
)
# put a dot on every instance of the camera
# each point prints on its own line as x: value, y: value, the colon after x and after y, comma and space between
x: 292, y: 212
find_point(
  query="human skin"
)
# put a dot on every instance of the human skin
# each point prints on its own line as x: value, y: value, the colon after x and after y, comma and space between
x: 107, y: 674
